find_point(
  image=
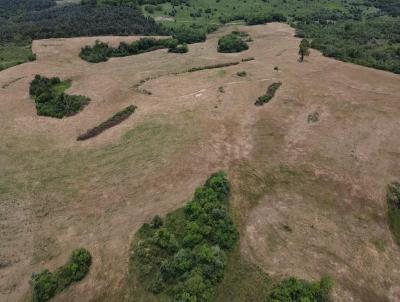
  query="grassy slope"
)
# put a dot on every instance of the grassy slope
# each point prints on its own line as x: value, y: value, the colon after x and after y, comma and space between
x: 14, y: 54
x: 232, y: 7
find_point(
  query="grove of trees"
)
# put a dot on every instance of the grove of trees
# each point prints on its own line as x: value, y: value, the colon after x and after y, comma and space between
x: 51, y: 100
x: 184, y: 256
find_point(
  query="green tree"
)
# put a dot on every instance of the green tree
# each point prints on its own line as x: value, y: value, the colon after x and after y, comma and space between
x: 304, y: 49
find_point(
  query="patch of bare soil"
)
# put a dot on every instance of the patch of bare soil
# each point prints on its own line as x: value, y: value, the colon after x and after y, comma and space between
x: 310, y: 196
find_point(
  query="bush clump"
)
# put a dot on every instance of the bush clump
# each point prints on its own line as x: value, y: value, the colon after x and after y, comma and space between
x: 393, y: 202
x: 297, y: 290
x: 269, y: 94
x: 111, y: 122
x: 232, y: 43
x: 51, y: 100
x: 46, y: 285
x: 184, y: 256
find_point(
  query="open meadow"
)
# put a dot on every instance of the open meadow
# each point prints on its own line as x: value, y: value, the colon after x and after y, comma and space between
x: 309, y: 169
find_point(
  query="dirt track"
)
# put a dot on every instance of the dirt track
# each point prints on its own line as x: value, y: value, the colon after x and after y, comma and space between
x: 310, y: 195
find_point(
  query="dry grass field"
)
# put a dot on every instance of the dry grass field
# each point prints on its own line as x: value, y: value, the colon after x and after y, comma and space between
x: 309, y: 197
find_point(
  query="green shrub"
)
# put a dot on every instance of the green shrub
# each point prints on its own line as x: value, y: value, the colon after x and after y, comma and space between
x: 116, y: 119
x: 296, y: 290
x: 183, y: 48
x: 269, y: 94
x: 232, y: 43
x: 393, y: 202
x: 241, y: 73
x: 46, y: 285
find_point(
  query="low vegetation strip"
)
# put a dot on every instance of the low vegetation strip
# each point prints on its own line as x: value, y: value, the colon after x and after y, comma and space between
x: 221, y: 65
x: 269, y: 94
x: 51, y: 100
x: 101, y: 52
x: 393, y: 202
x: 116, y: 119
x: 183, y: 257
x: 46, y: 284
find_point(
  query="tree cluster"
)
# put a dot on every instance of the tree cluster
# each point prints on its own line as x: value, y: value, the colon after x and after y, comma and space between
x: 51, y: 100
x: 185, y: 255
x: 46, y: 284
x: 232, y: 43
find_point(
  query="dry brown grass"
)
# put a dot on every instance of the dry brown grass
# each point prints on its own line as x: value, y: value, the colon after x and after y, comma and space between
x: 325, y: 180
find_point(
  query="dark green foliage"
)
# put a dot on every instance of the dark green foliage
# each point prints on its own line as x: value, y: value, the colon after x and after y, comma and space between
x: 185, y: 257
x: 51, y: 100
x: 46, y: 285
x: 41, y: 85
x: 232, y: 43
x: 393, y: 202
x: 111, y: 122
x: 241, y: 73
x: 188, y: 35
x: 269, y: 94
x: 296, y: 290
x: 101, y: 52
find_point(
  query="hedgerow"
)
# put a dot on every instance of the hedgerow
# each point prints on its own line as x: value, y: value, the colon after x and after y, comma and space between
x: 213, y: 66
x: 46, y: 285
x: 269, y: 94
x: 111, y: 122
x: 184, y: 257
x: 51, y: 100
x: 393, y: 202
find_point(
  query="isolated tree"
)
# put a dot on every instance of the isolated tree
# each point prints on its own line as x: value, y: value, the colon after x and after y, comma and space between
x: 304, y: 49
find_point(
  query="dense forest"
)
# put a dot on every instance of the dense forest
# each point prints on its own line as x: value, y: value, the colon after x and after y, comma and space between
x: 73, y: 20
